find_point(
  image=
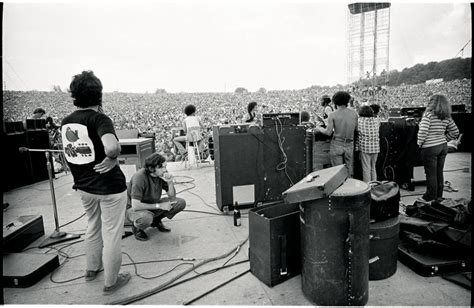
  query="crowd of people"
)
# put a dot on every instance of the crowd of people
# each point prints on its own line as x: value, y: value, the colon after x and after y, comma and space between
x: 163, y: 113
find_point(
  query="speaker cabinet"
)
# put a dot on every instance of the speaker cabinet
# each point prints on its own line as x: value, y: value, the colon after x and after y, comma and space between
x: 284, y: 159
x: 17, y: 167
x: 38, y: 139
x: 238, y: 153
x: 463, y: 121
x: 254, y: 164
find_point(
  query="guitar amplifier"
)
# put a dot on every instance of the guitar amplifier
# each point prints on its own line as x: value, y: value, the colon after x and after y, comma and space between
x: 281, y: 119
x: 238, y: 154
x: 284, y: 159
x: 21, y: 232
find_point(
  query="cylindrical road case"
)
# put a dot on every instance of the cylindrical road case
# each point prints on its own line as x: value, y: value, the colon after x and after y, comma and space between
x: 383, y: 248
x: 335, y: 246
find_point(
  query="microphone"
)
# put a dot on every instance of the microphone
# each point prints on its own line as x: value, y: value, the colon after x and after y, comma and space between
x: 23, y: 149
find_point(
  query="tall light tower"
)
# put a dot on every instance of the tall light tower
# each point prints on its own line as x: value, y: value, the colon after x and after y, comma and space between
x: 368, y: 40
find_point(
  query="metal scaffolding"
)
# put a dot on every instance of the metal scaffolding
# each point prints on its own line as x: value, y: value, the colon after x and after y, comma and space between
x: 368, y: 40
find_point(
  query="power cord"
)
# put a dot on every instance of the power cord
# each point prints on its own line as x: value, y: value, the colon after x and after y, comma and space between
x: 132, y: 299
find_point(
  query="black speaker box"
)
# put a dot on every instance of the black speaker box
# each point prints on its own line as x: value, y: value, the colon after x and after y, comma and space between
x: 284, y: 159
x: 274, y: 242
x: 38, y: 139
x: 384, y: 159
x: 463, y: 121
x: 283, y: 119
x: 238, y: 153
x: 13, y: 127
x: 17, y: 167
x: 33, y: 124
x: 403, y: 153
x: 19, y: 233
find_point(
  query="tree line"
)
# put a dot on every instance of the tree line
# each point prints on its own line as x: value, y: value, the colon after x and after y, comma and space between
x: 448, y: 70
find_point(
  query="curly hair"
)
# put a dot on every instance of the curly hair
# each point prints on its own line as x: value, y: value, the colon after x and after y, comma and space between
x: 154, y: 160
x: 189, y: 110
x: 39, y: 110
x: 341, y: 98
x: 439, y: 106
x: 304, y: 115
x: 375, y: 108
x: 366, y: 111
x: 86, y: 90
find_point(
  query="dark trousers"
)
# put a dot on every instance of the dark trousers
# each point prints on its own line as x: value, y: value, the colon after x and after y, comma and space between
x: 433, y: 160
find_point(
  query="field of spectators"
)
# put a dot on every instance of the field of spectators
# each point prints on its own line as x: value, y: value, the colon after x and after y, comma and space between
x: 163, y: 112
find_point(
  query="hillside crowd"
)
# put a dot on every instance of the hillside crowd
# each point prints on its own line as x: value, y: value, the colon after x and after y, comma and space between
x: 162, y: 113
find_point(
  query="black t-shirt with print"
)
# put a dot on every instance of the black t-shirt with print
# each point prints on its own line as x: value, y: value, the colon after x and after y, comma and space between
x: 81, y: 133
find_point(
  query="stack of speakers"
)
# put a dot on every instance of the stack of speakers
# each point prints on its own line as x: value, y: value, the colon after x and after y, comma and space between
x: 24, y: 168
x: 257, y: 164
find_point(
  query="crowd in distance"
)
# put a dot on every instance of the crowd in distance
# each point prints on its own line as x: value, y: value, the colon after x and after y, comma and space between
x: 162, y: 113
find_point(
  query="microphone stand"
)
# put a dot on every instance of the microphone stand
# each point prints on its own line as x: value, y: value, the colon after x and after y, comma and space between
x: 57, y: 236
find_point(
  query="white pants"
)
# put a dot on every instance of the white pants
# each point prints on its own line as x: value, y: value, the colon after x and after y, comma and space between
x: 369, y: 171
x: 106, y: 214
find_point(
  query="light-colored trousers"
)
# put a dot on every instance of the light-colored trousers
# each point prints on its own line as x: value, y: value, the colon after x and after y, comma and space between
x: 105, y: 218
x: 368, y: 161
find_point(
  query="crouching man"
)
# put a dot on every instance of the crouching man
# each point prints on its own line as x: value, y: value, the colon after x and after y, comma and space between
x: 145, y: 206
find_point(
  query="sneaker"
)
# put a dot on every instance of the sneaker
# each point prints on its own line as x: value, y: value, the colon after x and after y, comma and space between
x: 161, y: 227
x: 122, y: 280
x: 90, y: 275
x: 139, y: 234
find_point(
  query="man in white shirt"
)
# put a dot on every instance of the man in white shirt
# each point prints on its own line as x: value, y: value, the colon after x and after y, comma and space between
x: 193, y: 127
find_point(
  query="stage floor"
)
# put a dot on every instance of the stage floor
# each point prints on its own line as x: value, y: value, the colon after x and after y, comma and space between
x: 197, y: 235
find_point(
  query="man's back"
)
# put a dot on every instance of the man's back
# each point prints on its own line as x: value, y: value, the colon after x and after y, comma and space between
x: 345, y: 122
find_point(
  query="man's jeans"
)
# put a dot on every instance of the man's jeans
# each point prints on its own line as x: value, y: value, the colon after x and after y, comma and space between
x: 342, y: 153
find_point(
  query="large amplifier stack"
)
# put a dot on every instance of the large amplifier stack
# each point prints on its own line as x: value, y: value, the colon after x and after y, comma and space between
x: 255, y: 164
x: 399, y: 155
x: 24, y: 168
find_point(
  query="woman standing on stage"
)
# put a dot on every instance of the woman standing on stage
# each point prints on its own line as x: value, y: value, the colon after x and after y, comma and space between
x: 435, y: 130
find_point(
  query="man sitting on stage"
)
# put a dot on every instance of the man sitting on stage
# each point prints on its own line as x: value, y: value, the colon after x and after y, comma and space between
x: 145, y: 207
x: 193, y: 127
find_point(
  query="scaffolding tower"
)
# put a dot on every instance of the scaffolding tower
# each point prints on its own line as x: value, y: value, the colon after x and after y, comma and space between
x: 368, y: 40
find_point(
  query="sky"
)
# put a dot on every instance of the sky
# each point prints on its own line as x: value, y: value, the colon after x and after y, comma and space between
x: 209, y: 46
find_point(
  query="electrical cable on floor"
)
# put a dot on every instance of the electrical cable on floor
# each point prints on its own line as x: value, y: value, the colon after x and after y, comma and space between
x: 134, y: 298
x: 215, y: 288
x: 205, y: 203
x: 157, y: 276
x: 68, y: 223
x: 184, y: 176
x: 211, y: 271
x: 204, y: 212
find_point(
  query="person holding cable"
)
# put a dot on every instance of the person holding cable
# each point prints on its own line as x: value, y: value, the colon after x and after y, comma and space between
x: 145, y: 206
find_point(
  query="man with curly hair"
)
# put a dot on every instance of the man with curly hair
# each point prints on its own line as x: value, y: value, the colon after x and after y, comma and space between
x: 91, y: 148
x: 342, y: 124
x: 191, y: 123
